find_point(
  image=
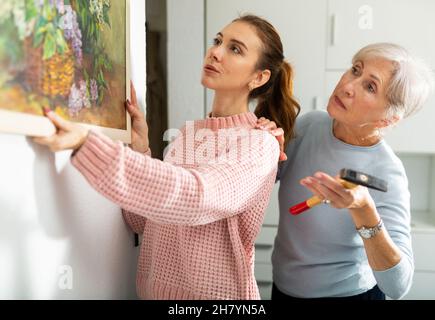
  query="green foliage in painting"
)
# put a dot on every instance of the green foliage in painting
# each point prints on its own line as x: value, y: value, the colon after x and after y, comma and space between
x: 93, y: 16
x: 47, y: 28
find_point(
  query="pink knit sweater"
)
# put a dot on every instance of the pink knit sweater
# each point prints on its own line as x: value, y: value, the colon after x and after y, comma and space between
x: 199, y: 211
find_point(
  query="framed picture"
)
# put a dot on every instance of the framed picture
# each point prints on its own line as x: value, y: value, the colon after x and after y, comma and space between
x: 71, y: 56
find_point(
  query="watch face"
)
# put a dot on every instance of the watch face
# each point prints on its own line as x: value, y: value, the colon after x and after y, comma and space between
x: 365, y: 233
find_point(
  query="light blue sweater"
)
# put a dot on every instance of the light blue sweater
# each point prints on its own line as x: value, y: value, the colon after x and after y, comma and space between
x: 319, y: 253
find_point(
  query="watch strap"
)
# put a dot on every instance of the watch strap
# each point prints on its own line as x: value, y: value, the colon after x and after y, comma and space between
x: 370, y: 232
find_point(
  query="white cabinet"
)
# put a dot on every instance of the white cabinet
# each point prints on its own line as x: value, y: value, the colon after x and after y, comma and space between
x: 264, y: 246
x: 415, y: 133
x: 423, y: 251
x: 271, y: 217
x: 423, y: 286
x: 353, y: 24
x: 263, y: 275
x: 301, y: 24
x: 265, y: 290
x: 263, y: 269
x: 185, y: 55
x: 420, y: 170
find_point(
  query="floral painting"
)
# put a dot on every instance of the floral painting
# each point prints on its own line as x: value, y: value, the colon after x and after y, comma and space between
x: 67, y: 55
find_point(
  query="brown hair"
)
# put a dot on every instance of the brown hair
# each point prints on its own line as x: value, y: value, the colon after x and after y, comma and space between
x: 275, y: 98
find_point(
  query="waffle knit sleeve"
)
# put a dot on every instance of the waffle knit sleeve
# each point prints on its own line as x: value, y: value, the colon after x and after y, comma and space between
x: 170, y: 194
x: 136, y: 222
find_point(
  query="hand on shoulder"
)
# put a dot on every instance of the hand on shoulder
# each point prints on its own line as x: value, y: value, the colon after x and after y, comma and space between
x: 278, y: 133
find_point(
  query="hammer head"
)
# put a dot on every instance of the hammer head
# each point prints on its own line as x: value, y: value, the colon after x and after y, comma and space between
x: 364, y: 179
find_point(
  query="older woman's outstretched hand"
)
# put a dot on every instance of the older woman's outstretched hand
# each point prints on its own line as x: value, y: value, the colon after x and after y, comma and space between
x: 358, y: 200
x: 68, y: 134
x: 340, y: 197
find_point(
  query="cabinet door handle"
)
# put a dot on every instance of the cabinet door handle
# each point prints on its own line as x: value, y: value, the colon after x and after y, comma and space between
x: 333, y: 30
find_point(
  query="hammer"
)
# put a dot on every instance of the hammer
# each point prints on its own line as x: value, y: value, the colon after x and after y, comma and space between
x: 349, y: 179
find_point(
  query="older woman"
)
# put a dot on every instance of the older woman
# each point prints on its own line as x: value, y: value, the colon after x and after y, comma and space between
x: 325, y: 252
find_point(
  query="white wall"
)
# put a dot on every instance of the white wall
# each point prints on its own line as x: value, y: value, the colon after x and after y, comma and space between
x: 185, y: 60
x: 53, y: 225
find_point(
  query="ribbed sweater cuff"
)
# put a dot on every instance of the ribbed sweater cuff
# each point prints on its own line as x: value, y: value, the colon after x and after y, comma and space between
x: 94, y: 156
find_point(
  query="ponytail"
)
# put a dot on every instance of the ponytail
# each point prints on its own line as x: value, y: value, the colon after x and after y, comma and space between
x: 275, y: 98
x: 277, y: 102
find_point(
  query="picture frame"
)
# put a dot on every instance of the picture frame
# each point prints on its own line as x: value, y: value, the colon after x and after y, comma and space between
x: 37, y: 125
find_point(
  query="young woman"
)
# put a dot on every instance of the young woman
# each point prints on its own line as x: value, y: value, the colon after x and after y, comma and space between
x: 201, y: 209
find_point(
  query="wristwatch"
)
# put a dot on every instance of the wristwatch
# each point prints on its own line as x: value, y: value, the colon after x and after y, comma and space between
x: 367, y: 233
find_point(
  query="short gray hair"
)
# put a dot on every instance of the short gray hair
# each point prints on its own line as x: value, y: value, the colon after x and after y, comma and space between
x: 412, y: 81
